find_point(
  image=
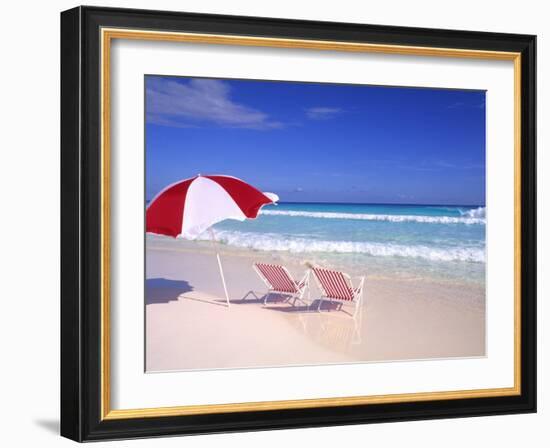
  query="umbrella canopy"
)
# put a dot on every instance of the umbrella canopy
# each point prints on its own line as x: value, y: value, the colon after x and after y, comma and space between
x: 189, y: 207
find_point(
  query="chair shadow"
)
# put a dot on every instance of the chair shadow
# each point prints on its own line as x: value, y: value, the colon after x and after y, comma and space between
x: 162, y: 290
x: 259, y: 299
x: 313, y: 307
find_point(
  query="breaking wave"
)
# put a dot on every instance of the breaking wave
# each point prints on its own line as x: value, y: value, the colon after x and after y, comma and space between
x: 477, y: 213
x: 475, y: 216
x: 275, y: 242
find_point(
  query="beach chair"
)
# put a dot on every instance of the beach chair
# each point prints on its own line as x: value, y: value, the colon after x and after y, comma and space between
x: 279, y: 281
x: 336, y: 286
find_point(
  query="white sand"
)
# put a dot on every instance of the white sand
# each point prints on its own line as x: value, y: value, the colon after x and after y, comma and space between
x: 188, y: 326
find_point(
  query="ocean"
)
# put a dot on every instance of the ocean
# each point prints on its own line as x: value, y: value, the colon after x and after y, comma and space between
x: 445, y: 243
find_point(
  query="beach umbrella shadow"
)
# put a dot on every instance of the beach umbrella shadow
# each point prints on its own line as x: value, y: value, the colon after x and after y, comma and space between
x: 162, y: 290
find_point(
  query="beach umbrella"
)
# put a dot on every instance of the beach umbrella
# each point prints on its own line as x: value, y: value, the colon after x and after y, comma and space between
x: 187, y: 208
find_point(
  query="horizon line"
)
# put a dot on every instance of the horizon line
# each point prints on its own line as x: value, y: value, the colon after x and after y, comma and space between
x: 374, y: 203
x: 381, y: 203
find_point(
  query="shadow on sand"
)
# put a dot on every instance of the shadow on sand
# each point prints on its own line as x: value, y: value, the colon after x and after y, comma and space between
x: 161, y: 290
x: 252, y: 297
x: 312, y: 307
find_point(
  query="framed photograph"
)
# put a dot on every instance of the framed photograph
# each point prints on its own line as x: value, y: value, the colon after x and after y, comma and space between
x: 277, y: 224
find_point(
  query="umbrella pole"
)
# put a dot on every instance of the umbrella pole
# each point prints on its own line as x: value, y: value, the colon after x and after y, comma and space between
x: 220, y: 266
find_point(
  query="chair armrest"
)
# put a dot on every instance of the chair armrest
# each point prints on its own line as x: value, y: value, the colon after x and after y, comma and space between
x: 361, y: 281
x: 305, y: 278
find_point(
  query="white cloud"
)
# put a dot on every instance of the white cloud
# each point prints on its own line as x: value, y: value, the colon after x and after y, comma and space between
x: 190, y: 104
x: 322, y: 113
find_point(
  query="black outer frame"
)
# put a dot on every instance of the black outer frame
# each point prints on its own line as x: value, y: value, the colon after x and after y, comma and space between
x: 80, y: 224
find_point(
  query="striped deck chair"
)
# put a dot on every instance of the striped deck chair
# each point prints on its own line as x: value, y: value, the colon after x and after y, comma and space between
x: 336, y: 286
x: 279, y: 281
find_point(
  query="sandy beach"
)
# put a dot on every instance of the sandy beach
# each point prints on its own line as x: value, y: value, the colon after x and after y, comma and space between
x: 401, y: 318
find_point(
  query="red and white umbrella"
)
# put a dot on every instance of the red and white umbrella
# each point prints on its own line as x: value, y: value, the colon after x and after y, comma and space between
x: 189, y: 207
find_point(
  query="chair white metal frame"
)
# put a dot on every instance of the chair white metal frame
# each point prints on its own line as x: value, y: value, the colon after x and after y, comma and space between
x: 338, y: 287
x: 279, y: 281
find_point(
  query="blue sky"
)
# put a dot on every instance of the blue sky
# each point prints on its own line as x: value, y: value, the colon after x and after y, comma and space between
x: 311, y: 142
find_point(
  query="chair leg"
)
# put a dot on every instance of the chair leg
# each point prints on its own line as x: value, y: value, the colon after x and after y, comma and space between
x: 358, y: 303
x: 252, y: 293
x: 319, y: 306
x: 356, y: 309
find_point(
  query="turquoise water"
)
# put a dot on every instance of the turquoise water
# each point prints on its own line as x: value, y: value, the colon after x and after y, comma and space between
x: 419, y: 240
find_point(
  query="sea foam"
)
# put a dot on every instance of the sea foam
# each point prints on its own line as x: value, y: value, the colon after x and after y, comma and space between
x: 478, y: 213
x: 276, y: 242
x: 475, y: 216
